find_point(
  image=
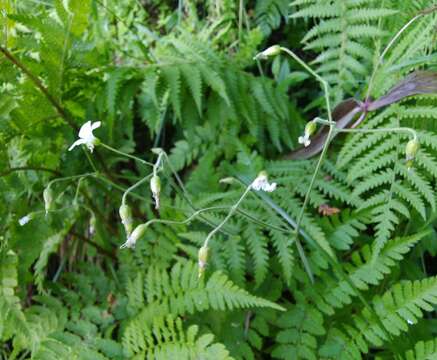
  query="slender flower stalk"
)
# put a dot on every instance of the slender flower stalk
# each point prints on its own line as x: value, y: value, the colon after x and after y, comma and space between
x: 130, y: 243
x: 332, y: 123
x: 110, y: 148
x: 260, y: 183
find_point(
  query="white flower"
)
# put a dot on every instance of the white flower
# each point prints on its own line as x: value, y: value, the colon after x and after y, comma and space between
x: 262, y: 183
x: 86, y: 136
x: 305, y: 140
x: 25, y: 219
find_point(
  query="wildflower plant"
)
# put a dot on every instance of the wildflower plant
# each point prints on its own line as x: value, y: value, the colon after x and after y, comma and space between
x: 198, y: 188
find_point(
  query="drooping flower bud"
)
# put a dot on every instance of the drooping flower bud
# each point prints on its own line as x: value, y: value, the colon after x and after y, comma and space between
x: 25, y: 219
x: 48, y: 198
x: 202, y: 259
x: 270, y: 51
x: 92, y: 225
x: 310, y: 129
x: 412, y: 148
x: 135, y: 236
x: 126, y: 218
x: 155, y: 186
x: 410, y: 152
x: 227, y: 180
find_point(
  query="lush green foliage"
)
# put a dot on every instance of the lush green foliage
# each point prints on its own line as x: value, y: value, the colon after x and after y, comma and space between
x: 183, y: 78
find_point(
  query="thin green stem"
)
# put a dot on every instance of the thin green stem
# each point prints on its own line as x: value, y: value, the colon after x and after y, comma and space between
x: 125, y: 154
x: 228, y: 216
x: 317, y: 76
x: 134, y: 186
x: 73, y: 177
x: 240, y: 20
x: 322, y: 156
x: 313, y: 179
x: 387, y: 48
x: 183, y: 222
x: 397, y: 129
x: 260, y: 222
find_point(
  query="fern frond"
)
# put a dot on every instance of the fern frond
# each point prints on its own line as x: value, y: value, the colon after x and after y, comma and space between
x: 182, y: 293
x: 167, y: 339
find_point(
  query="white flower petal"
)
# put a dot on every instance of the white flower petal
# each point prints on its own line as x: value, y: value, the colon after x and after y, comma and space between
x: 86, y: 135
x: 269, y: 187
x: 307, y: 142
x: 261, y: 183
x: 130, y: 243
x: 96, y: 125
x: 85, y: 130
x: 76, y: 143
x: 301, y: 140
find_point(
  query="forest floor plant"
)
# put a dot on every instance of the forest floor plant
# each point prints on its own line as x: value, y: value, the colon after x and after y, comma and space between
x: 318, y: 316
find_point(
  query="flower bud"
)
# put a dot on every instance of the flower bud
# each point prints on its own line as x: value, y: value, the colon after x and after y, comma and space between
x: 136, y: 235
x: 25, y: 219
x: 157, y: 151
x: 227, y: 180
x: 48, y: 198
x: 92, y: 225
x: 202, y: 259
x: 126, y: 218
x: 411, y: 149
x: 270, y: 51
x: 310, y: 128
x: 155, y: 186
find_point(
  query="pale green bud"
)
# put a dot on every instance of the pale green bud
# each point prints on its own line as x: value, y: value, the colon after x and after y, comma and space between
x: 227, y: 180
x: 412, y: 148
x: 92, y: 226
x: 126, y: 218
x: 310, y: 128
x: 48, y: 198
x: 135, y: 236
x: 155, y: 187
x: 270, y: 51
x: 157, y: 151
x: 202, y: 259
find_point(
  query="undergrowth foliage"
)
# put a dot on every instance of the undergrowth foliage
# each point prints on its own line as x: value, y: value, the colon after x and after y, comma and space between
x: 229, y: 256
